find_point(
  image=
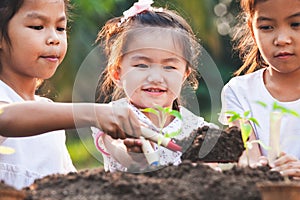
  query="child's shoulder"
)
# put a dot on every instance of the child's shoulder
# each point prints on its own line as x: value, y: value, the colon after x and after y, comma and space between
x: 248, y: 77
x: 253, y: 79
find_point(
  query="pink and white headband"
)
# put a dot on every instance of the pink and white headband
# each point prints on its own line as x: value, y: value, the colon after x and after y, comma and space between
x: 138, y: 7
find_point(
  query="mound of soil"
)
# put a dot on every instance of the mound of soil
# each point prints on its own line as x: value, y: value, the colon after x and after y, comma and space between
x: 190, y: 180
x: 214, y: 145
x: 186, y: 181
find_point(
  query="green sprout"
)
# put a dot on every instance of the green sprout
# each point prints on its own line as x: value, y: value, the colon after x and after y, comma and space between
x: 279, y: 108
x: 163, y: 114
x: 276, y: 115
x: 246, y: 129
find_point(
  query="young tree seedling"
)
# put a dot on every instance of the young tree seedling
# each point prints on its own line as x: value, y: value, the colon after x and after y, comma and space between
x: 276, y: 115
x: 161, y: 139
x: 162, y: 115
x: 246, y: 129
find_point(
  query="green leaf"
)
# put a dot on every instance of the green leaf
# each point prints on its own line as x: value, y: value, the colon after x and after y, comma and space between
x: 175, y: 113
x: 173, y: 134
x: 167, y: 110
x: 231, y: 112
x: 285, y: 110
x: 234, y: 118
x: 150, y: 110
x: 246, y: 131
x: 263, y: 104
x: 246, y: 113
x: 253, y: 120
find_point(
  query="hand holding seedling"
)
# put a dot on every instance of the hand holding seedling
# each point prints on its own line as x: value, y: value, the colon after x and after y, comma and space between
x: 275, y: 123
x: 287, y: 165
x: 144, y: 145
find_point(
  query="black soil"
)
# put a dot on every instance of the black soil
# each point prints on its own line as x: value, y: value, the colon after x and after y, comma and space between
x: 190, y: 180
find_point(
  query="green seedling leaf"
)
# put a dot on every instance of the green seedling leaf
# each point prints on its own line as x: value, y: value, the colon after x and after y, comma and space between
x: 284, y: 110
x: 263, y: 104
x: 233, y: 118
x: 246, y: 131
x: 162, y: 115
x: 173, y: 134
x: 176, y: 114
x: 246, y: 113
x: 150, y: 110
x: 232, y: 112
x: 253, y: 120
x: 6, y: 150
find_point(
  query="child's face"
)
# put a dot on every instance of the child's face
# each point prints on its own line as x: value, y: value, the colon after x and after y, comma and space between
x: 152, y: 70
x: 276, y: 30
x: 38, y: 40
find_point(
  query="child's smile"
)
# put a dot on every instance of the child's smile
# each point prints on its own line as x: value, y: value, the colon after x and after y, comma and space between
x: 153, y: 70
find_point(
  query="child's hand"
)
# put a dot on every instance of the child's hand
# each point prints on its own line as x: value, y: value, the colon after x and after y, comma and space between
x: 287, y: 165
x: 117, y: 121
x: 133, y: 145
x: 262, y: 161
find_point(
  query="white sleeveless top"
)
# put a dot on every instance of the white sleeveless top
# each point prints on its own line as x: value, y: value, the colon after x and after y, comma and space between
x: 35, y: 156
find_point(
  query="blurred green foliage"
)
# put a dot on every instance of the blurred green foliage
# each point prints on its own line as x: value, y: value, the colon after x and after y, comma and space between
x: 88, y: 17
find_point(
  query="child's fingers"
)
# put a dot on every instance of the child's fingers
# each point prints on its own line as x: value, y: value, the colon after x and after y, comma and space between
x: 130, y: 142
x: 126, y: 120
x: 262, y: 161
x: 283, y: 159
x: 133, y: 145
x: 289, y: 169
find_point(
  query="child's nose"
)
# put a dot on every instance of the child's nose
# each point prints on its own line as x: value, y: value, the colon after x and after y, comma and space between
x: 282, y: 38
x: 155, y: 75
x: 53, y: 38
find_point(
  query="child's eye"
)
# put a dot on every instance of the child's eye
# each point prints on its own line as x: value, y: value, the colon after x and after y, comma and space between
x: 36, y: 27
x: 169, y: 67
x: 295, y: 25
x: 61, y: 29
x: 265, y: 27
x: 141, y: 66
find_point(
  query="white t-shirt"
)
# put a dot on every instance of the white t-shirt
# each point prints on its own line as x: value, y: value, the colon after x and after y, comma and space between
x: 241, y: 94
x: 166, y: 156
x: 35, y: 156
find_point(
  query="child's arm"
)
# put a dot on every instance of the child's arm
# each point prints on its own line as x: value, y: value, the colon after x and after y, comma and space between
x: 33, y: 118
x: 118, y: 150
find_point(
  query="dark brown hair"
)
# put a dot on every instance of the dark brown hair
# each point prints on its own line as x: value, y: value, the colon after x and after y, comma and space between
x: 114, y: 37
x: 244, y: 42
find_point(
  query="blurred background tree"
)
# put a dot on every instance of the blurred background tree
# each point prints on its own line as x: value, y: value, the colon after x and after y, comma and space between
x: 212, y: 21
